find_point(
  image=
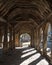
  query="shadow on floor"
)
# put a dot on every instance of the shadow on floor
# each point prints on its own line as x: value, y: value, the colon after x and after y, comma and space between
x: 23, y: 56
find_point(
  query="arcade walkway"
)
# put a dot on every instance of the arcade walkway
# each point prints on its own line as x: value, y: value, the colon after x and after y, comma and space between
x: 23, y: 56
x: 29, y: 17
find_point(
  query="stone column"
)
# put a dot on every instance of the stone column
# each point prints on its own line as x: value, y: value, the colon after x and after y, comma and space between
x: 5, y: 44
x: 16, y: 40
x: 35, y: 39
x: 19, y: 44
x: 13, y: 39
x: 51, y: 44
x: 32, y: 39
x: 44, y: 40
x: 10, y: 41
x: 38, y: 40
x: 0, y: 38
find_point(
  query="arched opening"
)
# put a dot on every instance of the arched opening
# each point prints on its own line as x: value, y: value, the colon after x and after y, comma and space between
x: 25, y: 40
x: 49, y: 40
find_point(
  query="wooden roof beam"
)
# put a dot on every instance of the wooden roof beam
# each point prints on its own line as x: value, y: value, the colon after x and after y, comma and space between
x: 2, y: 20
x: 45, y: 20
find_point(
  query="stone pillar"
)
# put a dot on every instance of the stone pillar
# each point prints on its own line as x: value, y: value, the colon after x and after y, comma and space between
x: 0, y: 38
x: 35, y: 39
x: 16, y: 40
x: 5, y: 44
x: 44, y: 40
x: 13, y: 39
x: 10, y: 41
x: 32, y: 39
x: 38, y: 40
x: 51, y: 45
x: 19, y: 44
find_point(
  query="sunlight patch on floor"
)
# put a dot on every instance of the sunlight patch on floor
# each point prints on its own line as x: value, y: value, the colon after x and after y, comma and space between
x: 26, y: 43
x: 29, y: 53
x: 49, y: 54
x: 31, y: 59
x: 28, y: 50
x: 20, y: 47
x: 43, y: 62
x: 0, y: 47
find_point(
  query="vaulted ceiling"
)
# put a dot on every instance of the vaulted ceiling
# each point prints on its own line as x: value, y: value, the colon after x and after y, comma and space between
x: 18, y: 12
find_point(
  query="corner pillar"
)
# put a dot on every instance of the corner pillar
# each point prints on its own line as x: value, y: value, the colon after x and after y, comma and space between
x: 13, y: 39
x: 32, y: 39
x: 44, y: 40
x: 5, y: 44
x: 38, y: 40
x: 51, y: 45
x: 0, y: 38
x: 10, y: 41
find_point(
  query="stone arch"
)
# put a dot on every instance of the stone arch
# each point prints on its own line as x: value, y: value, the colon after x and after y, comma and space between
x: 22, y: 30
x: 25, y: 40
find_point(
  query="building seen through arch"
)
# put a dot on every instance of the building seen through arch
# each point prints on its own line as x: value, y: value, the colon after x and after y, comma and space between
x: 25, y: 39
